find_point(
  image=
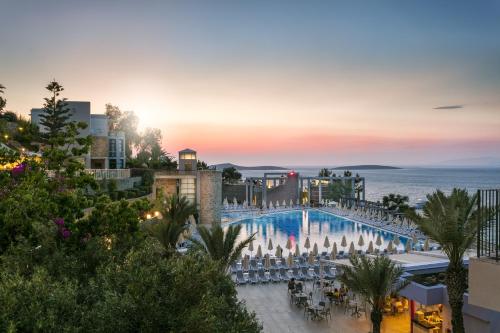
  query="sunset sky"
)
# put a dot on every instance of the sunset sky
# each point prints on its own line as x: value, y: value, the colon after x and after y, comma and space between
x: 272, y: 82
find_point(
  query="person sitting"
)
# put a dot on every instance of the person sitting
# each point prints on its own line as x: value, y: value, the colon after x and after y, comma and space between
x: 298, y: 287
x: 291, y: 285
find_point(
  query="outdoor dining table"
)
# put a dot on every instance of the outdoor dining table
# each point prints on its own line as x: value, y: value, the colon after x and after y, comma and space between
x: 316, y: 310
x: 300, y: 298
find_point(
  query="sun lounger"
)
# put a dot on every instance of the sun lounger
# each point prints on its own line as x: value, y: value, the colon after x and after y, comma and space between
x: 253, y: 264
x: 234, y: 268
x: 252, y: 277
x: 273, y: 263
x: 262, y: 276
x: 305, y: 273
x: 274, y: 275
x: 316, y: 273
x: 284, y: 274
x: 303, y: 262
x: 240, y: 278
x: 282, y: 263
x: 297, y: 275
x: 327, y: 273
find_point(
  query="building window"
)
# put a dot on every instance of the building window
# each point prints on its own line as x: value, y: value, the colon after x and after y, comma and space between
x: 188, y: 189
x: 112, y: 164
x: 187, y: 156
x: 120, y: 163
x: 119, y: 148
x: 112, y: 147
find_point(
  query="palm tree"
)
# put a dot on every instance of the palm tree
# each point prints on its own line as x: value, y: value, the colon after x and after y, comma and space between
x: 220, y: 246
x: 452, y: 222
x: 167, y: 233
x: 374, y: 279
x: 178, y: 209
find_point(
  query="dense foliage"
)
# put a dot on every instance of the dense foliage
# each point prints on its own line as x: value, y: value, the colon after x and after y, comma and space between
x: 396, y: 202
x: 374, y: 279
x: 67, y: 269
x: 452, y: 221
x: 231, y: 175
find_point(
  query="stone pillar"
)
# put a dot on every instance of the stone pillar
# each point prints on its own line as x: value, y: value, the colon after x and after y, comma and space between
x: 364, y: 190
x: 251, y: 193
x: 309, y: 192
x: 264, y: 190
x: 210, y: 184
x: 247, y: 185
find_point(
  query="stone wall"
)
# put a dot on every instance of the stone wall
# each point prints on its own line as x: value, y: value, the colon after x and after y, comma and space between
x: 210, y: 196
x: 99, y: 146
x: 165, y: 185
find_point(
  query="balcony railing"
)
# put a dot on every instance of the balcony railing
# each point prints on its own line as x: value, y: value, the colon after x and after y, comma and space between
x: 100, y: 174
x: 488, y: 235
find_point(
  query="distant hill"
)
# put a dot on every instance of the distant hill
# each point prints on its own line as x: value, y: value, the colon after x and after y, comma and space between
x: 365, y: 167
x: 240, y: 167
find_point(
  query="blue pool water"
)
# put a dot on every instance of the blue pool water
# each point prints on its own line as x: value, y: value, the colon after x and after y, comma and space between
x: 298, y: 225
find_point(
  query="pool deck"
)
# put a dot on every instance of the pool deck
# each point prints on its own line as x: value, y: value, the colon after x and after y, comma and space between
x: 271, y: 303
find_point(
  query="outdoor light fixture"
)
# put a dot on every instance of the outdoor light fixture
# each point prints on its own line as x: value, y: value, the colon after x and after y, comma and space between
x: 157, y: 213
x: 148, y: 216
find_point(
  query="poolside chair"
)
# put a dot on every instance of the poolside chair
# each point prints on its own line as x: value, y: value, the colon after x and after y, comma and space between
x: 316, y: 274
x: 274, y: 276
x: 282, y: 263
x: 327, y: 273
x: 253, y: 265
x: 341, y: 254
x: 252, y: 277
x: 297, y: 275
x: 303, y: 262
x: 240, y: 278
x: 234, y: 268
x: 262, y: 276
x: 284, y: 274
x: 273, y: 263
x: 305, y: 274
x: 325, y: 312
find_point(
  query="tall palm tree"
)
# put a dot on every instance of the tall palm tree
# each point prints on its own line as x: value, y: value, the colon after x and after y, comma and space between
x: 177, y: 209
x: 452, y: 222
x: 222, y: 246
x: 374, y: 279
x: 167, y: 233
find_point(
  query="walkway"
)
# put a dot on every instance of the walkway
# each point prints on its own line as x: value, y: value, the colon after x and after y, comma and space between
x: 272, y: 305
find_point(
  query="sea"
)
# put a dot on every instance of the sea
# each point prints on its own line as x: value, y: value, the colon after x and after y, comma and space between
x: 414, y: 182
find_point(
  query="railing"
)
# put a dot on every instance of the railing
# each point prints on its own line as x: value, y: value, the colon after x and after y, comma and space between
x: 488, y: 234
x: 100, y: 174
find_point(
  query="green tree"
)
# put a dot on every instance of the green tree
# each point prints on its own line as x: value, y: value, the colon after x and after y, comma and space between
x: 374, y: 279
x: 324, y: 173
x: 395, y: 202
x: 63, y: 144
x: 177, y: 209
x: 452, y: 222
x: 338, y: 190
x: 201, y: 165
x: 114, y: 115
x: 222, y: 246
x: 128, y: 123
x: 167, y: 233
x: 230, y: 175
x: 3, y: 101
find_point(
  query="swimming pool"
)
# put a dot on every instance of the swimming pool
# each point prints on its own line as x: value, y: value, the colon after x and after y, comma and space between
x: 298, y: 225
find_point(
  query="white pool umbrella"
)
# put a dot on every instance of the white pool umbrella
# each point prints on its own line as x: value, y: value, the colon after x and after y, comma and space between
x: 370, y: 247
x: 245, y: 204
x: 426, y: 245
x: 390, y: 246
x: 271, y: 205
x: 270, y: 245
x: 397, y: 241
x: 408, y: 246
x: 307, y: 244
x: 311, y: 258
x: 289, y: 260
x: 259, y: 252
x: 267, y: 262
x: 278, y: 251
x: 291, y: 203
x: 264, y: 206
x: 277, y: 204
x: 327, y: 242
x: 288, y: 245
x: 235, y: 202
x: 245, y: 263
x: 297, y: 250
x: 344, y: 242
x: 378, y: 241
x: 361, y: 241
x: 298, y: 201
x: 315, y: 249
x: 250, y: 247
x: 284, y: 203
x: 333, y: 255
x: 351, y: 248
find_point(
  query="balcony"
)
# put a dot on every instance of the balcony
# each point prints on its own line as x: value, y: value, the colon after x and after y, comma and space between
x: 100, y: 174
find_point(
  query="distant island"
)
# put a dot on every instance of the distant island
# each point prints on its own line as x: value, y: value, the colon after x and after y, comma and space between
x: 240, y: 167
x: 365, y: 167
